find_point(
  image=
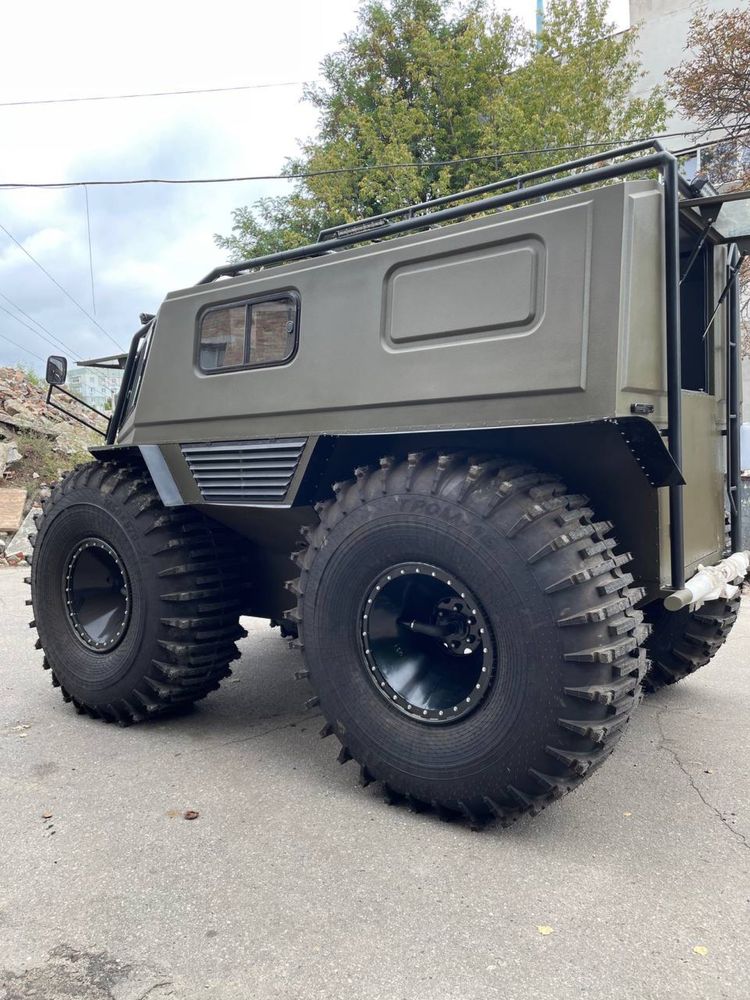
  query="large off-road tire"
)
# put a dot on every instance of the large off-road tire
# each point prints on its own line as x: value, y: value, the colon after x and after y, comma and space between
x: 137, y: 607
x: 523, y: 661
x: 682, y: 641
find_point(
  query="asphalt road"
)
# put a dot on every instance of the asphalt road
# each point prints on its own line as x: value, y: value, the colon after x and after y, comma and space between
x: 295, y: 883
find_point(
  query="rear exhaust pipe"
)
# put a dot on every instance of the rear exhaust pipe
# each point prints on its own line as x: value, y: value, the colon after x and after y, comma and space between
x: 711, y: 582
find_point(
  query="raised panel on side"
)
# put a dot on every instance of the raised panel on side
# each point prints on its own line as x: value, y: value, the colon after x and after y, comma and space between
x: 511, y: 315
x: 496, y: 291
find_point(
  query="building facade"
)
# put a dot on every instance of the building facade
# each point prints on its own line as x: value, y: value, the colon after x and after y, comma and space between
x: 663, y: 42
x: 96, y: 386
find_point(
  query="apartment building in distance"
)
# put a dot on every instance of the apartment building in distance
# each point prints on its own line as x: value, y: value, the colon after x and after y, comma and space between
x: 96, y: 386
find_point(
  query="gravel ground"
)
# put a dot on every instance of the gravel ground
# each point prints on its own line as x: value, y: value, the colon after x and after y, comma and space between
x: 295, y: 883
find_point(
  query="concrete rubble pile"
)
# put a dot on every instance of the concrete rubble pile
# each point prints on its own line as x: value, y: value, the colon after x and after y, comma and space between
x: 24, y: 412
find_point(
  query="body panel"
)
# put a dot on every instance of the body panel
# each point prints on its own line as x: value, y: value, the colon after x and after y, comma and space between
x: 549, y: 319
x: 347, y: 377
x: 704, y: 467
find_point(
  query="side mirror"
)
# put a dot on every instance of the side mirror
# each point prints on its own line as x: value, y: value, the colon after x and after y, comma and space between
x: 57, y: 369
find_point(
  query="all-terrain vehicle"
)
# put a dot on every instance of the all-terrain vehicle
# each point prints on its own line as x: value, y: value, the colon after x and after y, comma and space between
x: 526, y: 399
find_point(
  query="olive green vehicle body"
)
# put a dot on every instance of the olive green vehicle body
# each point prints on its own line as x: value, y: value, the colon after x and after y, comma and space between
x: 537, y: 331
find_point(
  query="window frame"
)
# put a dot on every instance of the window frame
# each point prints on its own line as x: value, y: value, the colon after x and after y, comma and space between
x: 248, y: 301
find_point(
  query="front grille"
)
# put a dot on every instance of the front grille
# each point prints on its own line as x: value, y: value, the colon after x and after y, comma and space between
x: 237, y: 472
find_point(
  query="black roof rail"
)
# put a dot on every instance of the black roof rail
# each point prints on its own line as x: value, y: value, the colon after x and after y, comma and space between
x: 391, y: 223
x: 518, y: 181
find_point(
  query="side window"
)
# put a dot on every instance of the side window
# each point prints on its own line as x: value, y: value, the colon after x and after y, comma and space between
x: 271, y: 332
x: 223, y: 338
x: 248, y: 335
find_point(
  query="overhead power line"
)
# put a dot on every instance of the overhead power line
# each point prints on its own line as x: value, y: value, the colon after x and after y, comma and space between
x: 22, y: 348
x: 43, y: 336
x: 36, y: 323
x: 500, y: 155
x: 155, y: 93
x: 91, y: 253
x: 62, y: 288
x: 366, y: 168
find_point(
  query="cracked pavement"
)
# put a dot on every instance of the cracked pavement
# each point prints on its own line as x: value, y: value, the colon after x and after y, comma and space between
x: 294, y: 882
x: 665, y: 745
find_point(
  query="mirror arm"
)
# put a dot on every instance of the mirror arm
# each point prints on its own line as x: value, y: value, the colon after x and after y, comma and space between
x: 69, y: 413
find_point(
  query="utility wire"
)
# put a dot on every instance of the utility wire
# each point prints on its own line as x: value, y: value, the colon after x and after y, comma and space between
x: 36, y: 322
x: 51, y: 342
x: 61, y: 287
x: 91, y: 256
x: 155, y: 93
x: 21, y: 347
x: 365, y: 168
x: 298, y: 176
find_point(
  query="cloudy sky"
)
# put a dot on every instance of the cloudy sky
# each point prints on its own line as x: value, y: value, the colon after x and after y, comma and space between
x: 146, y: 239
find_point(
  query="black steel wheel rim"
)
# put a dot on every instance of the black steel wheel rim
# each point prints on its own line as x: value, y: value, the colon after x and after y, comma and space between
x: 97, y: 595
x: 427, y: 643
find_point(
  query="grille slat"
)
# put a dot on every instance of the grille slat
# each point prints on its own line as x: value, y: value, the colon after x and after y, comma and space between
x: 223, y: 466
x: 243, y: 483
x: 242, y: 460
x: 244, y: 471
x: 241, y: 446
x: 241, y: 477
x: 276, y: 494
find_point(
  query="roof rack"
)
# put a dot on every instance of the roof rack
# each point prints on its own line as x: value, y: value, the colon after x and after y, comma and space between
x: 429, y: 213
x: 518, y: 181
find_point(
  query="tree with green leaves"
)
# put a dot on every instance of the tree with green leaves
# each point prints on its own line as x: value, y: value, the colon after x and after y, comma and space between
x: 419, y: 85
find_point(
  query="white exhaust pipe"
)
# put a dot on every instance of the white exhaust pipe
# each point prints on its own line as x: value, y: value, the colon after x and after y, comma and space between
x: 711, y: 582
